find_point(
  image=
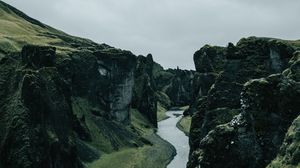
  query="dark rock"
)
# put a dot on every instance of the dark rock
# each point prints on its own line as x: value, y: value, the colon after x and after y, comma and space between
x: 251, y: 58
x: 80, y: 127
x: 209, y: 59
x: 38, y: 56
x: 36, y: 130
x: 144, y: 97
x: 179, y: 87
x: 86, y: 152
x: 289, y: 153
x: 294, y: 70
x: 201, y: 84
x: 254, y: 137
x: 153, y: 84
x: 163, y: 99
x: 44, y: 124
x: 105, y: 78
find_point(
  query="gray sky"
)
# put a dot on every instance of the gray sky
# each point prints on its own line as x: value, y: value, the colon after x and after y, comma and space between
x: 172, y: 30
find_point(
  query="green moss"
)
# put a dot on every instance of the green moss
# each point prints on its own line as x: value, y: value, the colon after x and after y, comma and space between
x: 17, y: 30
x: 7, y: 45
x: 163, y: 99
x: 289, y: 154
x: 140, y: 123
x: 127, y: 158
x: 143, y: 157
x: 161, y: 112
x: 146, y: 156
x: 184, y: 124
x: 83, y: 107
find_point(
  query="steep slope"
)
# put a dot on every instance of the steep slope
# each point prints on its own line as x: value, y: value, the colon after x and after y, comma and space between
x: 238, y: 121
x: 177, y: 84
x: 158, y: 89
x: 66, y: 101
x: 17, y: 29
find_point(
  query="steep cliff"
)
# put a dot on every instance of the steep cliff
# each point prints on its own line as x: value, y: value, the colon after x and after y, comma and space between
x: 179, y: 87
x: 66, y: 101
x: 58, y: 97
x: 175, y: 83
x: 242, y: 123
x: 36, y: 122
x: 156, y: 88
x: 209, y: 62
x: 144, y: 98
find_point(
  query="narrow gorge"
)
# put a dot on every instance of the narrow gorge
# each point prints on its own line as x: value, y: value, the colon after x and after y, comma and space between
x: 68, y: 102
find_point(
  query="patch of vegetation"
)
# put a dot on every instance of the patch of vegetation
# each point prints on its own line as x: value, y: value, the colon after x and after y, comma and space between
x: 289, y: 154
x: 184, y: 124
x: 184, y: 108
x: 17, y: 29
x: 147, y: 156
x: 126, y: 158
x: 82, y: 107
x: 161, y: 112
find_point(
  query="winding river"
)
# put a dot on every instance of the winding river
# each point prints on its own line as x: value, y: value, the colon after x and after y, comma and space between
x: 167, y: 130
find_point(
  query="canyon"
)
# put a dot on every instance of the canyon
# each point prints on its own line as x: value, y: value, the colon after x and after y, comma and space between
x: 67, y: 102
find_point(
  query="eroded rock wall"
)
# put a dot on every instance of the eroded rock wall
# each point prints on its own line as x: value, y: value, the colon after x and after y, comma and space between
x: 36, y: 122
x: 215, y: 139
x: 144, y: 98
x: 53, y: 105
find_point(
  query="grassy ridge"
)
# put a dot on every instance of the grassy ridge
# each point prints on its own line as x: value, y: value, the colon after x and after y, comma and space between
x: 18, y: 29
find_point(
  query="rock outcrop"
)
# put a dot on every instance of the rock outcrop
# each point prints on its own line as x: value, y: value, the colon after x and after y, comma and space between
x: 36, y: 122
x: 144, y: 98
x: 49, y: 104
x: 244, y: 120
x: 153, y: 85
x: 179, y: 87
x: 175, y: 83
x: 209, y: 62
x: 288, y: 155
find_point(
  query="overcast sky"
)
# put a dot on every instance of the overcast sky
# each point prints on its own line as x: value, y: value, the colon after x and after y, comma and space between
x: 172, y: 30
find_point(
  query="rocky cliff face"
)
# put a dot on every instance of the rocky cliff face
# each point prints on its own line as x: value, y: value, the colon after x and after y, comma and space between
x: 50, y: 103
x: 153, y: 85
x: 175, y: 83
x: 144, y: 98
x: 242, y: 123
x: 36, y: 122
x: 209, y: 61
x: 179, y: 87
x: 64, y: 102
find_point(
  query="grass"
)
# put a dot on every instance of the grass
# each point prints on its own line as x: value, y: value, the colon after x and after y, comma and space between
x: 15, y: 32
x: 146, y: 156
x: 82, y: 107
x: 143, y: 157
x: 128, y: 158
x: 184, y: 124
x: 295, y: 43
x: 161, y: 112
x: 290, y: 150
x: 140, y: 123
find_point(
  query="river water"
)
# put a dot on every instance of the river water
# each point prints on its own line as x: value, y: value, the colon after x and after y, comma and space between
x: 168, y: 131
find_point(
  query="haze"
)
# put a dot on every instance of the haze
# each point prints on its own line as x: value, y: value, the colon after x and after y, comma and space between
x: 172, y: 30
